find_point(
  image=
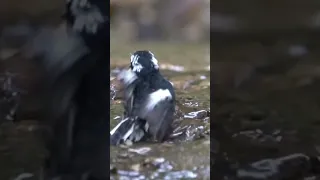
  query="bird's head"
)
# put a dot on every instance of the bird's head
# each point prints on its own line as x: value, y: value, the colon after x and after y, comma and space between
x: 143, y: 63
x: 89, y: 19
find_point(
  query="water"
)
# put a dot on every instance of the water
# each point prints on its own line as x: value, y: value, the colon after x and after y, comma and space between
x: 187, y: 154
x: 266, y: 126
x: 266, y: 122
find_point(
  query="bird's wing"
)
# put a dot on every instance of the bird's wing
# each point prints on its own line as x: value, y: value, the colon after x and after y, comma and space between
x: 119, y: 132
x: 160, y: 120
x: 130, y: 81
x: 128, y: 129
x: 158, y: 111
x: 129, y: 99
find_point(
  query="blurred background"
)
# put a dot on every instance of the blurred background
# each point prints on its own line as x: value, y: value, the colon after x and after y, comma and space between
x: 168, y: 27
x: 21, y: 148
x: 265, y: 70
x: 157, y: 20
x: 178, y: 33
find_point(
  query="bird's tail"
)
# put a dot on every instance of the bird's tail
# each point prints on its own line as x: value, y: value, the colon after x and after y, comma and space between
x: 127, y: 129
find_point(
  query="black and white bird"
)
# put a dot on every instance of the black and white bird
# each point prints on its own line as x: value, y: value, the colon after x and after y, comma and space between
x: 75, y: 57
x: 149, y: 102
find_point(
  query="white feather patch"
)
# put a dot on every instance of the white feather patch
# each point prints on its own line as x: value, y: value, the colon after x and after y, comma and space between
x: 156, y: 97
x: 134, y: 133
x: 117, y: 127
x: 87, y: 17
x: 136, y: 66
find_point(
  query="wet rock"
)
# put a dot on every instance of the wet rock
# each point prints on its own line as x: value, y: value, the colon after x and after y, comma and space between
x: 128, y: 173
x: 191, y: 104
x: 195, y: 132
x: 158, y: 163
x: 154, y: 161
x: 141, y: 151
x: 187, y: 131
x: 311, y: 178
x: 181, y: 175
x: 297, y: 50
x: 24, y: 176
x: 260, y: 136
x: 174, y: 135
x: 294, y: 166
x: 276, y: 132
x: 197, y: 114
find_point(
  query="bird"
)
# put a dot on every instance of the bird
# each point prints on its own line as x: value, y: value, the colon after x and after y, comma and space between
x: 75, y: 57
x: 149, y: 102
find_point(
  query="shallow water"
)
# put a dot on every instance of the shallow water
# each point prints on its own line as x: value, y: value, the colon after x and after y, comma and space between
x: 266, y: 125
x: 266, y: 119
x: 185, y: 157
x: 187, y: 154
x: 184, y: 160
